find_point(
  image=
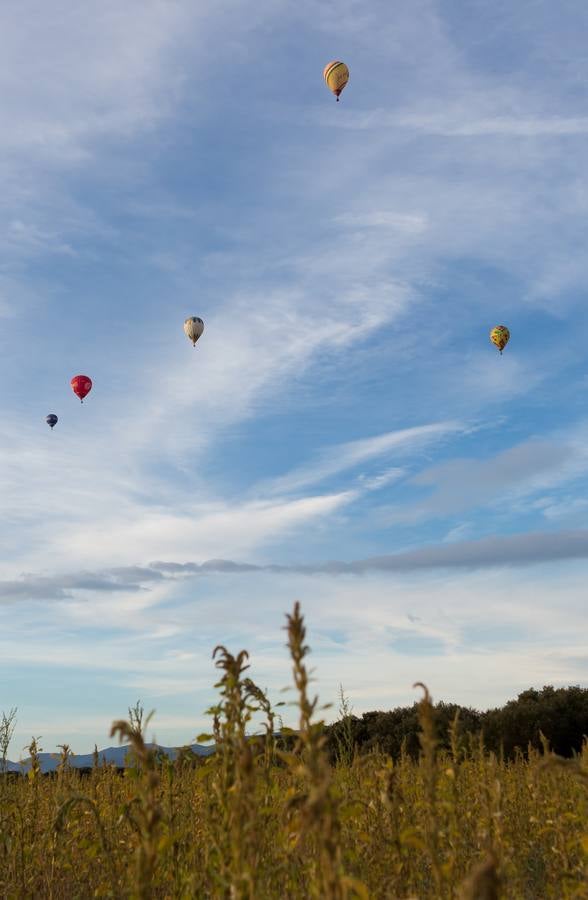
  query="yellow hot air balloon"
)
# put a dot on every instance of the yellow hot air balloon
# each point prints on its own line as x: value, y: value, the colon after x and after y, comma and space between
x: 499, y: 337
x: 193, y: 328
x: 336, y: 75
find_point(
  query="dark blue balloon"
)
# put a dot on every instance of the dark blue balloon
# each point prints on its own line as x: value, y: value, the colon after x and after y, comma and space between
x: 52, y: 420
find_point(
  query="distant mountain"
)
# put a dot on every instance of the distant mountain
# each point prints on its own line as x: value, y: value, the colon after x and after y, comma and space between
x: 116, y: 756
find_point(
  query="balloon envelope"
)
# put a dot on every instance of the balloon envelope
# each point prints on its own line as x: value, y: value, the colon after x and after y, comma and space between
x: 52, y: 420
x: 336, y: 75
x: 193, y: 328
x: 499, y: 336
x: 81, y: 385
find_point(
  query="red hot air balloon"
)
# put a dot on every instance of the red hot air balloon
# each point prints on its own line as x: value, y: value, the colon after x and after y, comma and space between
x: 81, y: 385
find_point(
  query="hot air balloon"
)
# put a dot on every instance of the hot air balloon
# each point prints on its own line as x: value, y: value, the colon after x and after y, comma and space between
x: 52, y: 420
x: 499, y: 336
x: 81, y: 385
x: 193, y: 328
x: 336, y: 75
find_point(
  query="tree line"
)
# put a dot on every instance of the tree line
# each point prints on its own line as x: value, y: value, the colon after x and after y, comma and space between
x: 556, y: 715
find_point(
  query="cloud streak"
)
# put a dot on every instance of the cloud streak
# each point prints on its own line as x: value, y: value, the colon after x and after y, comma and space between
x: 529, y: 549
x: 458, y: 485
x: 339, y: 458
x: 533, y: 548
x: 347, y: 295
x: 465, y: 125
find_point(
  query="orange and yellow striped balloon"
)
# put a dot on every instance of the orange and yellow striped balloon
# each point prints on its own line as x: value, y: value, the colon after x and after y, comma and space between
x: 336, y: 75
x: 499, y: 336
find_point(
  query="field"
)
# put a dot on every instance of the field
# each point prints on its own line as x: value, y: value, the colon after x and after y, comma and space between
x: 279, y: 819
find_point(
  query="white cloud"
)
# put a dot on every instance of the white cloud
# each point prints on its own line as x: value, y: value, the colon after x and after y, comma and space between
x: 462, y: 123
x: 456, y: 167
x: 513, y: 475
x: 496, y: 635
x: 377, y: 482
x: 566, y: 508
x: 75, y: 83
x: 73, y: 76
x: 130, y: 517
x: 458, y: 533
x: 407, y: 223
x: 209, y: 528
x: 249, y: 351
x: 341, y: 457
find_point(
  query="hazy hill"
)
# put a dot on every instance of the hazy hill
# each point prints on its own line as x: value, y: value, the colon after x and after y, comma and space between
x: 116, y: 756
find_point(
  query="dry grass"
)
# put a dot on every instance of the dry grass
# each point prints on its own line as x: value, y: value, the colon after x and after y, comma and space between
x: 257, y: 820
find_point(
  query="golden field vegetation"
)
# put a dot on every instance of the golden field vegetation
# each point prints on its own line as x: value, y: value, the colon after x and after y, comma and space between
x: 275, y: 818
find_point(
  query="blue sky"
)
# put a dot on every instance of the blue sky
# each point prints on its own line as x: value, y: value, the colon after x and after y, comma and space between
x: 344, y: 431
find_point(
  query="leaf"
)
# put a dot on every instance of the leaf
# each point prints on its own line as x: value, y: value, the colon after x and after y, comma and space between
x: 291, y: 759
x: 164, y: 842
x: 358, y: 887
x: 411, y: 838
x: 351, y: 810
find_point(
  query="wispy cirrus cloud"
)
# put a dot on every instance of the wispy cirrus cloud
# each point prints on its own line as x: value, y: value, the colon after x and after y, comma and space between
x: 132, y: 530
x: 464, y: 122
x: 164, y: 655
x: 458, y: 485
x: 343, y: 457
x: 75, y: 85
x: 347, y: 297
